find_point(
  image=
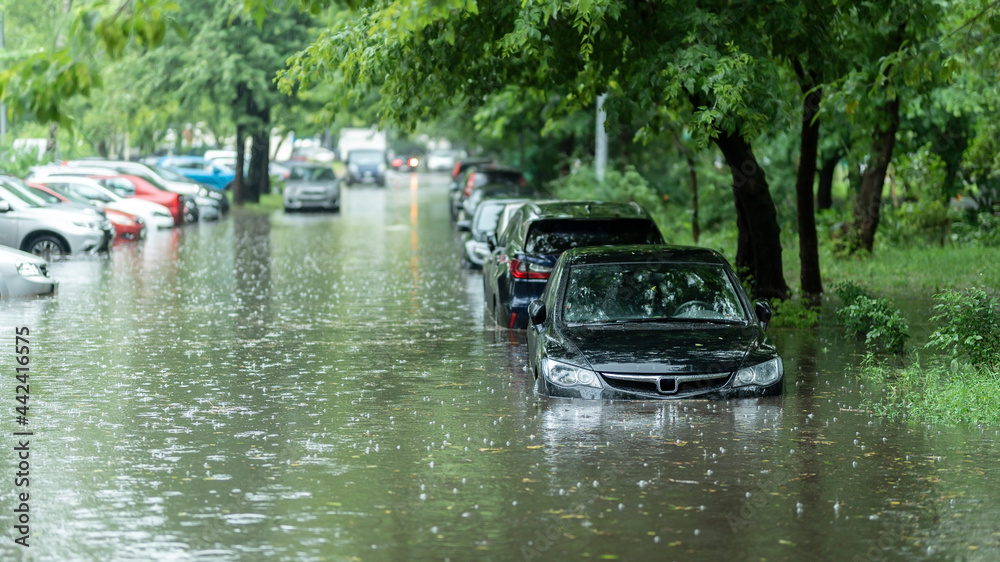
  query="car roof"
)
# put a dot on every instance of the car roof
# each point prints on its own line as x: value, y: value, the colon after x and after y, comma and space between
x: 643, y: 253
x: 541, y: 210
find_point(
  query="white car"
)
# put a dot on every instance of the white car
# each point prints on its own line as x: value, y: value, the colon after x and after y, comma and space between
x: 153, y: 214
x: 438, y: 160
x: 24, y: 275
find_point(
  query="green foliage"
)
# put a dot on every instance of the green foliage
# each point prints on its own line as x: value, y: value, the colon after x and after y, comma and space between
x: 18, y: 162
x: 850, y: 291
x: 941, y: 392
x: 793, y: 313
x: 970, y: 326
x: 983, y: 230
x: 883, y: 327
x: 624, y: 186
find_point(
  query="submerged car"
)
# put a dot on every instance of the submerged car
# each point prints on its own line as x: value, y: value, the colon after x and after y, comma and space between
x: 521, y: 260
x: 311, y: 186
x: 24, y: 275
x: 650, y: 322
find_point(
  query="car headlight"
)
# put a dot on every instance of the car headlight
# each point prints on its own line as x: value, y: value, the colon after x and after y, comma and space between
x: 88, y: 224
x: 564, y: 374
x: 25, y: 269
x: 203, y: 191
x: 381, y: 168
x: 761, y: 374
x: 353, y: 168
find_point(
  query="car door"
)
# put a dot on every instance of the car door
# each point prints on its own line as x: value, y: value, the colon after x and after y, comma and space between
x: 9, y: 225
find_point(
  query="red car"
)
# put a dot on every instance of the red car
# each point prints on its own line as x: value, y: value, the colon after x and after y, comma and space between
x: 134, y: 186
x: 127, y: 227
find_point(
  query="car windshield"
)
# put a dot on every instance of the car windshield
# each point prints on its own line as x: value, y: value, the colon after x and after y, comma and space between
x: 487, y: 216
x: 555, y: 236
x: 311, y: 173
x: 637, y: 292
x: 21, y: 192
x: 92, y: 192
x: 364, y: 157
x: 68, y: 194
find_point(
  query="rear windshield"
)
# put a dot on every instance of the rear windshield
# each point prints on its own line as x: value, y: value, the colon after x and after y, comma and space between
x: 484, y: 177
x: 308, y: 173
x: 558, y: 235
x: 366, y: 156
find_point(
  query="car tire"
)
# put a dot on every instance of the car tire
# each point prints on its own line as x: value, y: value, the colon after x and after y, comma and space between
x: 46, y: 245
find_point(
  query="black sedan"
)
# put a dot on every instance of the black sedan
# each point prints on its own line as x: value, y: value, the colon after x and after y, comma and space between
x: 521, y: 259
x: 650, y: 322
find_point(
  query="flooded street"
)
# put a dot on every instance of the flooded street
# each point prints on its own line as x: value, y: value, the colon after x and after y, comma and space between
x: 324, y: 387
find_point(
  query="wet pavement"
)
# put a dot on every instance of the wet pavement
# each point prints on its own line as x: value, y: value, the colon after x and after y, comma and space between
x: 324, y: 387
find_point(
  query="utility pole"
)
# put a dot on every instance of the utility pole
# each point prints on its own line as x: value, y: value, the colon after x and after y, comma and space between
x: 600, y: 140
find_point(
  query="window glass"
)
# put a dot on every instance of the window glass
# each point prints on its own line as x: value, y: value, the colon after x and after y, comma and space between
x: 644, y: 291
x: 546, y: 237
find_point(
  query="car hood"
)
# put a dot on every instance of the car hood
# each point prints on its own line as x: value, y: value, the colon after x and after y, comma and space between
x: 663, y: 348
x: 11, y: 255
x: 65, y: 214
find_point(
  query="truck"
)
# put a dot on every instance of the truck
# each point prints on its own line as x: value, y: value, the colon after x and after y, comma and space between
x: 356, y: 138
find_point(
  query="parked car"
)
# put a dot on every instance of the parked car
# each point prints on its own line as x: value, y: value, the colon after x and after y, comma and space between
x: 443, y: 159
x: 135, y: 187
x: 211, y: 203
x: 477, y: 176
x: 406, y: 163
x: 484, y: 223
x: 311, y: 186
x: 127, y: 226
x: 90, y: 191
x: 650, y: 322
x: 493, y: 191
x: 516, y: 271
x: 24, y: 275
x: 201, y: 170
x: 29, y: 224
x: 366, y: 166
x: 316, y: 154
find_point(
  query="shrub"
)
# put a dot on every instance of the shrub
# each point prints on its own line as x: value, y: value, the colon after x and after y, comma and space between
x: 882, y: 326
x: 793, y: 313
x: 849, y: 291
x: 970, y: 326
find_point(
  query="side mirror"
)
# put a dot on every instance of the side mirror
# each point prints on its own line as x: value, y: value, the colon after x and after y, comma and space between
x: 536, y: 312
x: 464, y: 225
x: 4, y: 206
x: 763, y: 310
x: 491, y: 241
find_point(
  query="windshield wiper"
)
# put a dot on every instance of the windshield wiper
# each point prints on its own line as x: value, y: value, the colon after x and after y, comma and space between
x: 660, y: 320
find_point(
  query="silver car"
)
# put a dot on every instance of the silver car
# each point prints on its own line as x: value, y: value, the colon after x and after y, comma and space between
x: 24, y: 275
x: 311, y: 187
x: 29, y: 224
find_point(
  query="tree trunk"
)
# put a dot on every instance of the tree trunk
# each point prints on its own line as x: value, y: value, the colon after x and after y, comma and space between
x: 259, y: 181
x: 238, y: 183
x: 824, y: 191
x: 809, y: 276
x: 869, y: 201
x: 758, y: 251
x: 693, y: 182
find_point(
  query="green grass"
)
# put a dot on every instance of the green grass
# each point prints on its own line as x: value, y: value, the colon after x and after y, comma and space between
x: 267, y: 203
x: 953, y: 393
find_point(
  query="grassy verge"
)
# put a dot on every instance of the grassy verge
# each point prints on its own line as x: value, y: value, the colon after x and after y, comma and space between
x: 955, y: 392
x: 267, y: 203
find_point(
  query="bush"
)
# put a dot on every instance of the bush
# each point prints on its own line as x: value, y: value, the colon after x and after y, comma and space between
x: 793, y: 313
x: 882, y: 326
x: 970, y: 326
x: 849, y: 291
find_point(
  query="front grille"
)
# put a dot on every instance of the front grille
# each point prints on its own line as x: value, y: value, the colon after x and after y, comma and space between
x: 665, y: 385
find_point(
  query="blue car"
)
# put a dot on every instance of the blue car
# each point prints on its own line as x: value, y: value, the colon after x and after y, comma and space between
x: 522, y: 256
x: 200, y: 170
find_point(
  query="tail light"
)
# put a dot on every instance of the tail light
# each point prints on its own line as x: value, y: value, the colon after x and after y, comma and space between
x: 521, y: 269
x: 456, y: 170
x: 469, y: 184
x: 397, y: 162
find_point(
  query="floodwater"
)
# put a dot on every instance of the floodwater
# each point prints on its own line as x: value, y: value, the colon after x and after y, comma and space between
x: 324, y: 387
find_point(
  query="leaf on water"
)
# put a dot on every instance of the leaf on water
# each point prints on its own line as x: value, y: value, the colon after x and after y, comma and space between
x: 786, y: 543
x: 536, y: 446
